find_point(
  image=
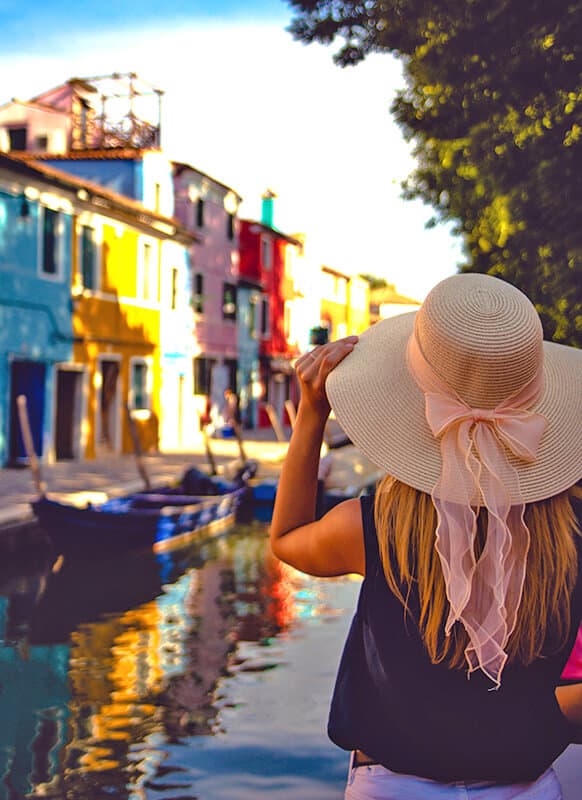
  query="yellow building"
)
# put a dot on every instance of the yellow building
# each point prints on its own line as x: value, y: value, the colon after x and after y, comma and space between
x: 334, y: 302
x: 117, y: 322
x: 117, y: 337
x: 387, y: 302
x: 344, y: 303
x: 358, y: 305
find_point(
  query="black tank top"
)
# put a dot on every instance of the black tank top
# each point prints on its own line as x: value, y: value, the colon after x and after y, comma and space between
x: 427, y: 720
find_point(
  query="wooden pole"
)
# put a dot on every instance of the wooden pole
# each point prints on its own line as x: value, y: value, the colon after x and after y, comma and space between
x: 279, y: 432
x: 291, y: 412
x: 29, y: 444
x: 238, y: 433
x: 209, y: 453
x: 141, y: 468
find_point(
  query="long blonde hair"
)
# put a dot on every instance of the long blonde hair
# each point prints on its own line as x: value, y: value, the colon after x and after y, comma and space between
x: 406, y: 522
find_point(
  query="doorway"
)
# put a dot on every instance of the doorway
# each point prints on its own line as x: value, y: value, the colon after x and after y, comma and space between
x: 108, y: 406
x: 68, y: 414
x: 27, y: 378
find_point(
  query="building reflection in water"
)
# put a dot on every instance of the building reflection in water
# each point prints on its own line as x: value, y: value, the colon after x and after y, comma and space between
x: 103, y: 663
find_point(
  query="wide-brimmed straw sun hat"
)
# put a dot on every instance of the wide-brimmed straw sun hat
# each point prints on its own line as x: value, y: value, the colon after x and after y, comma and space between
x: 464, y: 400
x: 482, y: 338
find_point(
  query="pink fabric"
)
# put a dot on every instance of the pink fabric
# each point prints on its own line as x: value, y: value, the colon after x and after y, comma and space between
x: 484, y: 595
x: 573, y: 669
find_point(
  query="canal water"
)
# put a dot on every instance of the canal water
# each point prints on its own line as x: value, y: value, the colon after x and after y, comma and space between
x: 204, y: 674
x: 200, y: 675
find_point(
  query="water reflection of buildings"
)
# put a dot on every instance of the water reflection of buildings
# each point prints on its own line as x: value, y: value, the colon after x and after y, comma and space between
x: 88, y: 716
x: 33, y: 687
x: 266, y: 602
x: 243, y: 594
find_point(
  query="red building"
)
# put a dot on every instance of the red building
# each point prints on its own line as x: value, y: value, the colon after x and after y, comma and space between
x: 263, y: 256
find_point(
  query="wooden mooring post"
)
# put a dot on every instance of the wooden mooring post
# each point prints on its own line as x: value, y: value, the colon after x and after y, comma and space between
x: 275, y: 423
x: 29, y: 444
x: 291, y: 412
x: 137, y: 452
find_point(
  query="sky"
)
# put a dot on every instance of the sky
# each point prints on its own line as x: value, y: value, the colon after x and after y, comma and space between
x: 247, y: 104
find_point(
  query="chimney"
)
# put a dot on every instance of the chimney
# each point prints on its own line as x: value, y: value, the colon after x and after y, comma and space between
x: 267, y: 208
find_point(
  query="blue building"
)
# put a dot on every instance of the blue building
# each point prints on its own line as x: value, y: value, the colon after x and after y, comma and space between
x: 249, y: 295
x: 36, y: 223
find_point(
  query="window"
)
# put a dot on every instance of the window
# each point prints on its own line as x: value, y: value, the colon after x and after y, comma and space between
x: 174, y: 289
x: 265, y: 320
x: 229, y: 301
x: 88, y: 257
x: 266, y: 252
x: 139, y: 397
x: 84, y: 122
x: 253, y: 316
x: 147, y: 279
x: 203, y: 374
x: 230, y: 227
x: 198, y: 299
x: 17, y: 138
x: 50, y: 242
x: 147, y: 269
x: 200, y: 213
x: 42, y: 143
x: 157, y: 194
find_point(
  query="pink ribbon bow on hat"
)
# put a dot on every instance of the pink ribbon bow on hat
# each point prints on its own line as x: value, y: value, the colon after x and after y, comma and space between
x: 484, y: 594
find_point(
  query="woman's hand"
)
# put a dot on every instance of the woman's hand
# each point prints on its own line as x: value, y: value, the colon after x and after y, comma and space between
x: 313, y: 368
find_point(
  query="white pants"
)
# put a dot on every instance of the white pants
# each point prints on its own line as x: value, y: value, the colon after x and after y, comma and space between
x: 374, y: 782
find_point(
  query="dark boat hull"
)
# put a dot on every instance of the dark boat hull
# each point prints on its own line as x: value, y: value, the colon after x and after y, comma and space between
x: 263, y: 498
x: 135, y: 522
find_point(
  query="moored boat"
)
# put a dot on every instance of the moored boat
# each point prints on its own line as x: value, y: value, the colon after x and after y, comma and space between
x: 344, y: 473
x: 162, y: 519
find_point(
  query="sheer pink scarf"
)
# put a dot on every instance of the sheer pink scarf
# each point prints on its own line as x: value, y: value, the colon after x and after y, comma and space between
x: 483, y: 595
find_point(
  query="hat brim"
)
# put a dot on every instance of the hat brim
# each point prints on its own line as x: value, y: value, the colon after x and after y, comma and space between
x: 378, y: 404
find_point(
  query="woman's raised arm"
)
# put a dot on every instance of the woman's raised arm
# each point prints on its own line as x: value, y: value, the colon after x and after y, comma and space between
x: 332, y: 545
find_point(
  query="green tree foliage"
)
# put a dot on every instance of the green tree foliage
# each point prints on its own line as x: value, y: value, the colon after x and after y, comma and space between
x: 374, y: 281
x: 493, y: 106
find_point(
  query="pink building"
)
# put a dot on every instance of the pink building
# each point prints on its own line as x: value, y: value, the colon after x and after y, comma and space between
x: 209, y: 209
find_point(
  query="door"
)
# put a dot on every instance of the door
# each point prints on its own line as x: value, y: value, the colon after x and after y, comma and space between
x: 67, y: 413
x: 108, y: 405
x: 27, y: 378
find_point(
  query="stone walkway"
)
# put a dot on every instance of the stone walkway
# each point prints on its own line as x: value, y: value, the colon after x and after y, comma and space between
x: 119, y: 474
